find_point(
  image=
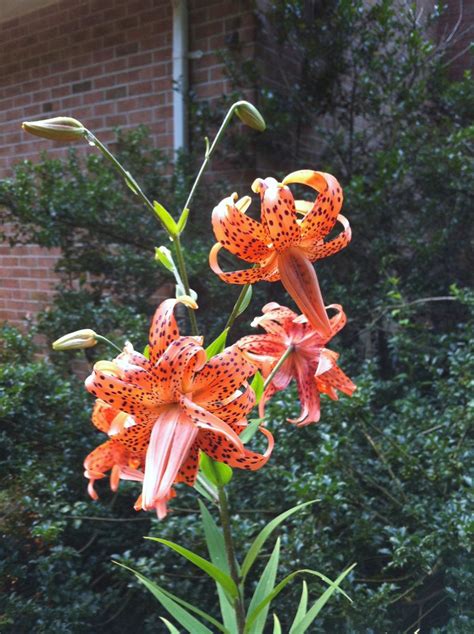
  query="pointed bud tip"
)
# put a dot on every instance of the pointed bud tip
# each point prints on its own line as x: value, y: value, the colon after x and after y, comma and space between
x: 56, y: 129
x: 76, y: 340
x: 187, y: 301
x: 249, y: 115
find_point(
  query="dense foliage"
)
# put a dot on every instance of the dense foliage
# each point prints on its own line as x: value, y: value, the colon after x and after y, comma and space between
x: 371, y: 103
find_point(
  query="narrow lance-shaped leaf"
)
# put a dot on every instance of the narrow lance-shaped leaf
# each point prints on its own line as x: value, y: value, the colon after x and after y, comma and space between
x: 246, y: 301
x: 251, y: 429
x: 264, y: 587
x: 175, y: 606
x: 225, y: 580
x: 217, y: 553
x: 253, y: 615
x: 265, y: 533
x: 166, y: 219
x: 302, y: 606
x: 276, y: 625
x: 171, y: 628
x: 217, y: 345
x: 257, y: 386
x: 313, y: 612
x: 183, y: 219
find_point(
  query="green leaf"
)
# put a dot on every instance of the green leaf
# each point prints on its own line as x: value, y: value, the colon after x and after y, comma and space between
x: 257, y: 386
x: 206, y: 489
x: 210, y: 569
x: 178, y: 608
x: 146, y: 351
x: 170, y: 626
x: 166, y: 219
x: 252, y: 616
x: 251, y: 429
x: 246, y: 301
x: 302, y: 607
x: 256, y: 620
x: 265, y: 534
x: 217, y: 473
x: 217, y: 553
x: 183, y: 219
x: 310, y: 616
x: 163, y: 255
x: 217, y: 345
x: 276, y: 625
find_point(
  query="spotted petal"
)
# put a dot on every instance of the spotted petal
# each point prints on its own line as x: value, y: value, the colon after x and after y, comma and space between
x: 266, y: 272
x: 237, y: 232
x: 278, y: 213
x: 319, y: 250
x: 222, y: 450
x: 319, y: 221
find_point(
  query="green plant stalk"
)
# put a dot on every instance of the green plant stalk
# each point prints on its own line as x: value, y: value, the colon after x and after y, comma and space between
x: 230, y: 552
x: 92, y: 139
x: 281, y: 361
x: 237, y: 305
x: 208, y: 155
x: 108, y: 342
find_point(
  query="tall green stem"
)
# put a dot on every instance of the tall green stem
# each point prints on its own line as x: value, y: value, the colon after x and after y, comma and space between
x: 132, y: 183
x: 231, y: 560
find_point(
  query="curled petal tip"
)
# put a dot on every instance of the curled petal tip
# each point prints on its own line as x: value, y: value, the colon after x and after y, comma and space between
x: 257, y: 185
x: 187, y: 301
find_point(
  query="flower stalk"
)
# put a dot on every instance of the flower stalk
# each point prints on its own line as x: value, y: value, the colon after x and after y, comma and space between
x: 231, y: 559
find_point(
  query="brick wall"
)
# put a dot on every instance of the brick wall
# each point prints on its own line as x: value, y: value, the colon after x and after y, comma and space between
x: 109, y: 64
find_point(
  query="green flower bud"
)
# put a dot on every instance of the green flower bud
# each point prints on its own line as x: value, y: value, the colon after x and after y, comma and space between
x: 56, y: 129
x: 76, y: 340
x: 249, y: 115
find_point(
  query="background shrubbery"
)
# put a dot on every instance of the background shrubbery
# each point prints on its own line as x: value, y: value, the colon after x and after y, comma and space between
x: 389, y: 466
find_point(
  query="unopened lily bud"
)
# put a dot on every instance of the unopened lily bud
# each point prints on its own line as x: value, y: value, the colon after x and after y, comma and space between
x: 56, y: 129
x: 249, y: 115
x: 85, y: 338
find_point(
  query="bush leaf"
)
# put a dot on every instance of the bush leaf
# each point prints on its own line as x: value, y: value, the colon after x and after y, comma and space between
x: 302, y: 606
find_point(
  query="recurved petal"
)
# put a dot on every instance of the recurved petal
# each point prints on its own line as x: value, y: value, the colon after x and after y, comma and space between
x: 173, y: 373
x: 163, y: 329
x: 318, y: 250
x: 190, y: 467
x: 319, y: 221
x: 332, y: 380
x: 299, y: 278
x: 308, y: 393
x: 103, y: 415
x: 221, y: 377
x: 272, y: 345
x: 237, y: 232
x: 105, y: 383
x: 210, y: 423
x: 266, y: 272
x: 221, y: 450
x: 234, y: 411
x: 278, y: 214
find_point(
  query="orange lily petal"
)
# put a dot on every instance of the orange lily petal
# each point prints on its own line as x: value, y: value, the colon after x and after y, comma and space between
x: 309, y: 396
x: 317, y: 251
x: 123, y: 396
x: 221, y: 450
x: 171, y: 439
x: 243, y: 276
x: 278, y: 213
x: 204, y: 420
x: 174, y: 369
x: 190, y: 467
x: 235, y: 411
x: 270, y: 344
x: 221, y: 377
x: 163, y: 329
x: 103, y: 415
x: 333, y: 380
x: 299, y: 278
x: 238, y: 233
x: 321, y: 219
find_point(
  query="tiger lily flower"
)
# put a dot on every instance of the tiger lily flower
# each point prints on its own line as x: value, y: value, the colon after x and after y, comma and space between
x: 313, y: 367
x: 281, y: 246
x: 180, y: 403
